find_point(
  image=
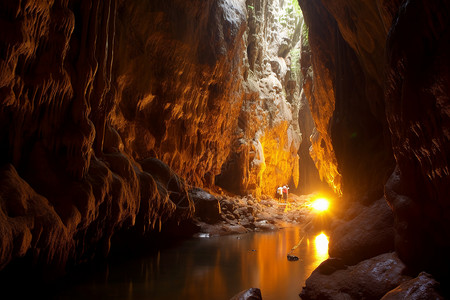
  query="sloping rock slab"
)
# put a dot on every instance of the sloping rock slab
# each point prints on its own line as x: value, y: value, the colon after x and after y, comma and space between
x: 370, y: 279
x: 369, y: 234
x: 422, y: 287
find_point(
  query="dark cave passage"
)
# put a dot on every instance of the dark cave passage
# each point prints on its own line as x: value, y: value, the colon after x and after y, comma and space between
x: 127, y: 122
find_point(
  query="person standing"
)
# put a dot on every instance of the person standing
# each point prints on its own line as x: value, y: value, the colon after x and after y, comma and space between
x: 279, y: 193
x: 285, y: 191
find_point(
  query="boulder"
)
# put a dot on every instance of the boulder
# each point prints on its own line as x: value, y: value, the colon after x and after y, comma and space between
x: 207, y: 207
x: 250, y: 294
x: 422, y: 287
x: 370, y: 279
x: 368, y: 234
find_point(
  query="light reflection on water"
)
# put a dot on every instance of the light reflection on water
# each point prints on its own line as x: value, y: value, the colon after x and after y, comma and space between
x: 213, y: 268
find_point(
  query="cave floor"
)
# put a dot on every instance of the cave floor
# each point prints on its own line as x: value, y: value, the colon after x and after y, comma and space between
x: 247, y: 214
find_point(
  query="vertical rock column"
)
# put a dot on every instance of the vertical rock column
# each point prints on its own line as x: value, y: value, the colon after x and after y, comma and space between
x: 267, y: 139
x: 352, y: 146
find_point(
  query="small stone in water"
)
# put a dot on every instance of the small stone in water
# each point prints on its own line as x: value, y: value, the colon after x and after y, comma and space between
x: 292, y: 257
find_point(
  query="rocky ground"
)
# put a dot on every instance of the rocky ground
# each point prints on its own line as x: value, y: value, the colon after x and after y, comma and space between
x: 227, y: 214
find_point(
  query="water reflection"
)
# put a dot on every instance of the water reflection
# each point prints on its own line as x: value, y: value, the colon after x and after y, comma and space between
x: 321, y: 246
x: 213, y: 268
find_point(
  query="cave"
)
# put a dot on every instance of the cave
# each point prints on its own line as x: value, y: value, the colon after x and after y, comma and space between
x: 128, y: 125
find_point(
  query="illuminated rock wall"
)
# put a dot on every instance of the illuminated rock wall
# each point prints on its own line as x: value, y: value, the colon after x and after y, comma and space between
x: 111, y: 110
x: 380, y: 86
x: 266, y: 142
x: 179, y: 84
x: 351, y: 146
x: 92, y: 94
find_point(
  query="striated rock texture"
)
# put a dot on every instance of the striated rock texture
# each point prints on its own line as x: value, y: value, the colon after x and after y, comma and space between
x: 93, y: 94
x: 267, y: 139
x: 112, y: 112
x: 422, y: 287
x: 370, y: 279
x: 350, y: 147
x: 379, y: 96
x: 417, y: 106
x: 178, y: 73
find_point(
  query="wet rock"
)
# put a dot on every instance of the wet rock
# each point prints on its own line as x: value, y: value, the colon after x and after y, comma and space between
x: 370, y: 279
x: 292, y: 257
x: 250, y: 294
x: 369, y: 234
x: 331, y: 265
x: 422, y: 287
x: 207, y: 207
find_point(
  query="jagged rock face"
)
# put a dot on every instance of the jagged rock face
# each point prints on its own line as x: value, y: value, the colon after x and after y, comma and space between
x: 318, y: 89
x: 417, y: 106
x: 350, y: 147
x: 406, y: 111
x: 369, y: 279
x: 111, y: 109
x: 90, y: 88
x: 267, y: 139
x: 309, y: 177
x: 178, y: 76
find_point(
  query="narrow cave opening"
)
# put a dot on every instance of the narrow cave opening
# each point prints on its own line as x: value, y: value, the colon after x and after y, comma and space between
x: 143, y: 145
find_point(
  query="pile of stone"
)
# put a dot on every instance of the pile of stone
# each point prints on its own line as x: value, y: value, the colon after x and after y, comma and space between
x: 223, y: 214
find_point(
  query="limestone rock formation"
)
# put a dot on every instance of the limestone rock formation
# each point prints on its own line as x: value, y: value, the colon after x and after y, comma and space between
x: 368, y: 234
x: 178, y: 78
x: 104, y: 105
x: 422, y: 287
x: 370, y: 279
x: 379, y: 98
x: 417, y: 106
x: 346, y: 99
x: 265, y: 148
x: 112, y: 111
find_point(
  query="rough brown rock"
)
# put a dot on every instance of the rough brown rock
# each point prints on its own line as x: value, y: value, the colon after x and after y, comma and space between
x: 370, y: 279
x: 207, y: 207
x: 178, y: 78
x: 422, y: 287
x: 368, y: 234
x: 417, y: 106
x: 346, y: 96
x: 380, y: 86
x: 267, y: 138
x: 250, y: 294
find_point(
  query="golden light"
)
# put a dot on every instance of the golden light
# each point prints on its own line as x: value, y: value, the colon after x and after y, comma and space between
x: 320, y: 204
x: 321, y: 244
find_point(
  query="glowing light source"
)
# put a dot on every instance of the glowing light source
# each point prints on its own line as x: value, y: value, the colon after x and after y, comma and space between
x: 321, y: 243
x: 320, y: 204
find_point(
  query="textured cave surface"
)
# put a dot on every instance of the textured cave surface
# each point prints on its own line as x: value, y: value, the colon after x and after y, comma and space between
x: 113, y: 113
x: 379, y: 95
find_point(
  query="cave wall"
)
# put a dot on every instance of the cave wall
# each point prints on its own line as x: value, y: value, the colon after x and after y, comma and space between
x: 351, y: 146
x: 178, y: 75
x: 379, y: 97
x: 417, y: 108
x: 94, y: 96
x: 112, y: 110
x: 266, y: 141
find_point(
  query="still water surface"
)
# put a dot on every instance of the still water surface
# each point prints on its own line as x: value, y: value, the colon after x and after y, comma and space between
x: 211, y: 268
